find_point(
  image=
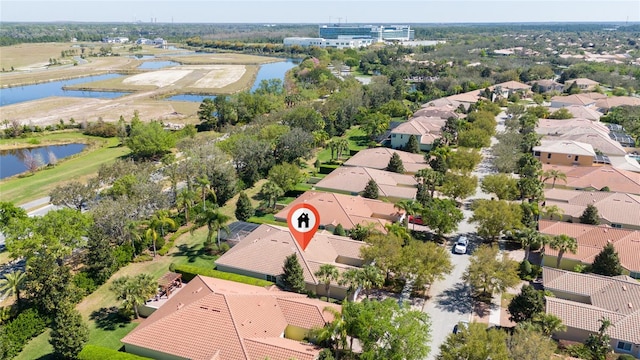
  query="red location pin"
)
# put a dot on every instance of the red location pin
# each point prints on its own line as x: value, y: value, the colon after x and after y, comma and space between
x: 303, y: 220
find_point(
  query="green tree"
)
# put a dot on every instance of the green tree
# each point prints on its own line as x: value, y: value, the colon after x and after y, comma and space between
x: 475, y: 342
x: 9, y: 211
x: 459, y: 186
x: 375, y: 124
x: 12, y: 283
x: 607, y: 262
x: 474, y: 138
x: 69, y: 333
x: 383, y: 250
x: 270, y: 192
x: 292, y: 274
x: 339, y: 230
x: 293, y: 145
x: 488, y: 275
x: 371, y: 190
x: 370, y: 277
x: 494, y: 217
x: 304, y: 117
x: 74, y: 194
x: 441, y: 216
x: 600, y: 344
x: 149, y: 141
x: 184, y: 201
x: 429, y: 179
x: 410, y: 208
x: 134, y: 291
x: 502, y: 185
x: 395, y: 164
x: 100, y: 260
x: 244, y: 210
x: 528, y: 344
x: 563, y: 243
x: 464, y: 159
x: 215, y: 221
x: 529, y: 237
x: 590, y: 215
x: 527, y: 304
x: 531, y: 188
x: 413, y: 146
x: 555, y: 175
x: 286, y: 176
x: 427, y: 262
x: 547, y: 324
x: 561, y: 114
x: 327, y: 273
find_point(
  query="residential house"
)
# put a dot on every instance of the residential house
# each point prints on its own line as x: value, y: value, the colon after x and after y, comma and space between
x: 466, y: 99
x: 582, y: 112
x: 561, y: 101
x: 596, y: 178
x: 425, y: 129
x: 352, y: 180
x: 583, y: 84
x: 219, y: 319
x: 581, y: 130
x: 564, y: 152
x: 619, y: 210
x: 509, y: 88
x: 591, y: 240
x: 443, y: 102
x: 582, y: 300
x: 604, y: 105
x: 346, y: 210
x: 378, y: 158
x: 545, y: 86
x: 262, y: 253
x: 442, y: 112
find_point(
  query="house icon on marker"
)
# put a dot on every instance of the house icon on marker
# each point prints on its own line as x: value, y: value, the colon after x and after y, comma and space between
x: 304, y: 218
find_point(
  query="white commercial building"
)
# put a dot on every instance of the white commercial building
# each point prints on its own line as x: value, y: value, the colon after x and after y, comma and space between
x: 340, y: 43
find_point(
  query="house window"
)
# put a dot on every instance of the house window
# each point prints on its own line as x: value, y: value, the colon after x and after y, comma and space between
x: 617, y: 226
x: 536, y: 153
x: 549, y: 156
x: 271, y: 278
x: 576, y: 159
x: 624, y: 346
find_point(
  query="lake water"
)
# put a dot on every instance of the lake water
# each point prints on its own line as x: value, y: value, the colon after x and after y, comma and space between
x: 157, y: 64
x: 12, y: 161
x: 267, y: 71
x: 20, y: 94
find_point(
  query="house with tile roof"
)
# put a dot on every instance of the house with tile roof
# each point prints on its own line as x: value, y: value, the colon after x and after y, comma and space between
x: 352, y: 180
x: 214, y: 319
x: 262, y: 253
x: 442, y: 102
x: 346, y: 210
x: 426, y: 129
x: 581, y: 130
x: 548, y: 85
x: 561, y: 101
x: 583, y: 84
x: 378, y: 158
x: 581, y: 300
x: 618, y: 210
x: 509, y: 88
x: 591, y: 240
x: 442, y: 112
x: 604, y: 105
x: 596, y: 178
x: 564, y: 152
x: 582, y: 112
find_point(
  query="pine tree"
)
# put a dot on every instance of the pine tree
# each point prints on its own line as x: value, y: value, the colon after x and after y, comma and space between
x: 590, y: 216
x: 292, y: 276
x: 339, y: 230
x: 412, y: 145
x: 607, y: 262
x: 371, y: 190
x: 395, y: 164
x: 244, y: 210
x: 68, y: 333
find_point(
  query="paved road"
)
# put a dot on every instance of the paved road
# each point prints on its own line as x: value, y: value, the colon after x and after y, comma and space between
x: 451, y: 300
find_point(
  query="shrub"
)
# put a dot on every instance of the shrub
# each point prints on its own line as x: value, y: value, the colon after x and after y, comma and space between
x: 525, y: 269
x: 626, y: 357
x: 94, y: 352
x: 123, y: 255
x: 101, y: 129
x: 578, y: 350
x: 143, y: 258
x: 172, y: 239
x: 84, y: 281
x: 189, y: 272
x: 17, y: 332
x: 224, y: 247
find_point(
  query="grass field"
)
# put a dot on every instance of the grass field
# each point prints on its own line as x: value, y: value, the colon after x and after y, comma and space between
x: 29, y: 54
x: 79, y: 167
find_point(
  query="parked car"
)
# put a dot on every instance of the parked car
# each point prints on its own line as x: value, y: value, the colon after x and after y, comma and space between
x: 461, y: 245
x: 415, y: 219
x: 460, y: 325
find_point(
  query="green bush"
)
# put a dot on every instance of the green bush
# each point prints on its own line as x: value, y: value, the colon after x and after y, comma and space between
x: 17, y: 332
x: 579, y: 351
x: 93, y: 352
x: 101, y: 129
x: 626, y: 357
x: 84, y: 281
x: 172, y: 239
x: 143, y: 258
x: 525, y: 269
x: 189, y: 272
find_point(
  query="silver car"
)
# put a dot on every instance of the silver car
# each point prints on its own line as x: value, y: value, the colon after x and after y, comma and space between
x: 461, y: 245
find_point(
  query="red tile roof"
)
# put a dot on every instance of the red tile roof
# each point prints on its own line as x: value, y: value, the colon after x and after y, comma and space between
x: 378, y: 158
x: 354, y: 179
x: 597, y: 177
x: 228, y: 321
x: 615, y: 208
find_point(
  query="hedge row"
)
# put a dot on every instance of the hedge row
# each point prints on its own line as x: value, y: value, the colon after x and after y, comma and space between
x: 16, y: 333
x: 172, y: 239
x: 189, y: 272
x: 93, y: 352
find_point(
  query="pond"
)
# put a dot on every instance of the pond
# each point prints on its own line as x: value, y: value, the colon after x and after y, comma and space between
x: 14, y: 95
x: 275, y: 70
x: 12, y: 162
x: 142, y: 57
x: 157, y: 64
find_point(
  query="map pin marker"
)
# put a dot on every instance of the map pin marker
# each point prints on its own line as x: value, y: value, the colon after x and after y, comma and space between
x: 303, y: 220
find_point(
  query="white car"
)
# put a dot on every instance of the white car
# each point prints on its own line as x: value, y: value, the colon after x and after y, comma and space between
x: 460, y: 326
x: 461, y: 245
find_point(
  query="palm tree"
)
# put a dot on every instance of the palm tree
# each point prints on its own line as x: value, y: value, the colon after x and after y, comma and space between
x: 351, y: 278
x: 270, y: 191
x: 337, y: 329
x: 12, y: 284
x: 341, y: 145
x: 548, y: 324
x: 215, y: 221
x: 430, y: 178
x: 372, y: 278
x: 555, y: 175
x: 332, y: 146
x: 529, y: 237
x: 133, y: 232
x: 185, y: 200
x: 399, y: 231
x: 326, y: 274
x: 134, y: 291
x: 563, y: 243
x: 206, y: 189
x: 161, y: 219
x: 152, y: 234
x: 410, y: 207
x: 551, y: 211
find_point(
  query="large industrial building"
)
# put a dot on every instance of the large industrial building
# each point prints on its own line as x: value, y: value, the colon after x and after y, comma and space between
x: 353, y: 36
x: 341, y: 43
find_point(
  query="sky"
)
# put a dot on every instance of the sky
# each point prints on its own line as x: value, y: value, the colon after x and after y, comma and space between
x: 313, y: 11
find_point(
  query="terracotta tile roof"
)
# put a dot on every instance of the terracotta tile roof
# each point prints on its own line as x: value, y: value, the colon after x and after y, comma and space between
x: 347, y: 210
x: 468, y: 97
x: 229, y: 321
x: 378, y: 158
x: 264, y: 250
x: 305, y: 315
x: 427, y: 129
x: 597, y: 177
x: 616, y: 208
x: 512, y: 85
x: 559, y: 127
x: 565, y: 147
x: 608, y: 103
x: 594, y: 95
x: 575, y: 99
x: 617, y: 299
x: 442, y: 102
x: 581, y: 81
x: 443, y: 112
x: 582, y: 112
x: 354, y: 179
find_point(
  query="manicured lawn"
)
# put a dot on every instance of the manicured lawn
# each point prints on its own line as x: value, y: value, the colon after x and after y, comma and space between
x: 358, y: 139
x: 20, y: 190
x: 39, y: 348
